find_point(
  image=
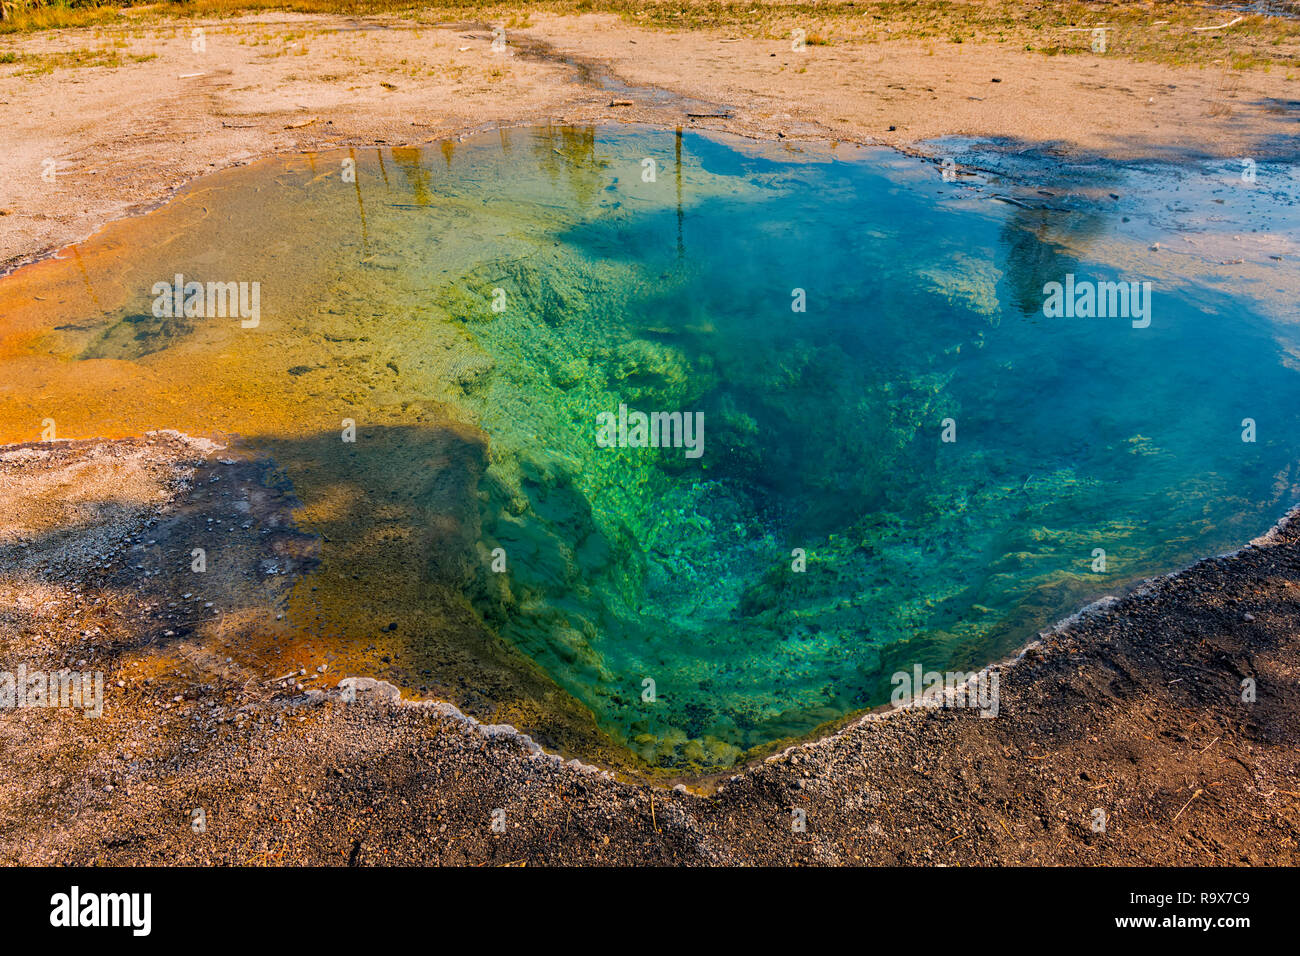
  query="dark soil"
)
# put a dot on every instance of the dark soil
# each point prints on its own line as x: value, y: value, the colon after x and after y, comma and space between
x: 1134, y: 711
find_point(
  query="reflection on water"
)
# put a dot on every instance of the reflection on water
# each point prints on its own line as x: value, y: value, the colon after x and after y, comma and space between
x: 473, y: 308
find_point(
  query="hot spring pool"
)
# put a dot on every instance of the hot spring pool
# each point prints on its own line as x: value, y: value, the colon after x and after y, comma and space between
x: 880, y: 451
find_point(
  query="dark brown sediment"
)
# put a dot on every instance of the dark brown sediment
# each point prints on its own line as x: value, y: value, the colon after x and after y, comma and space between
x: 1134, y: 708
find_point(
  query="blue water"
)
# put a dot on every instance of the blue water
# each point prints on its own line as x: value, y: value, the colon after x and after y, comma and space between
x: 823, y: 432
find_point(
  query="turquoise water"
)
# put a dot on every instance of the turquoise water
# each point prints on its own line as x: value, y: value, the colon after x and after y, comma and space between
x: 823, y: 432
x: 823, y: 428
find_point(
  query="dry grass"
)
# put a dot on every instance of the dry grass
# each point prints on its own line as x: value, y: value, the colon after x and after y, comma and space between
x: 109, y: 57
x: 1159, y: 31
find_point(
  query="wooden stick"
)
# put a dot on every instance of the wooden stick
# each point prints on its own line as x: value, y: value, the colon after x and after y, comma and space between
x: 1222, y: 26
x: 1185, y: 806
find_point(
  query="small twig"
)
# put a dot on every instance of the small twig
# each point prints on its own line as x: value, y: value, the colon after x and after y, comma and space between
x: 1185, y: 806
x: 1222, y: 26
x: 1013, y: 201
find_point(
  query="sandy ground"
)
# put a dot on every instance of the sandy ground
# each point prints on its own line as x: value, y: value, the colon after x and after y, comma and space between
x: 1121, y: 739
x: 119, y: 139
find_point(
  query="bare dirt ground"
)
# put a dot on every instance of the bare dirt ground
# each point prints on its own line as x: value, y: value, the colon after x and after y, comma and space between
x: 1125, y: 738
x: 87, y: 143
